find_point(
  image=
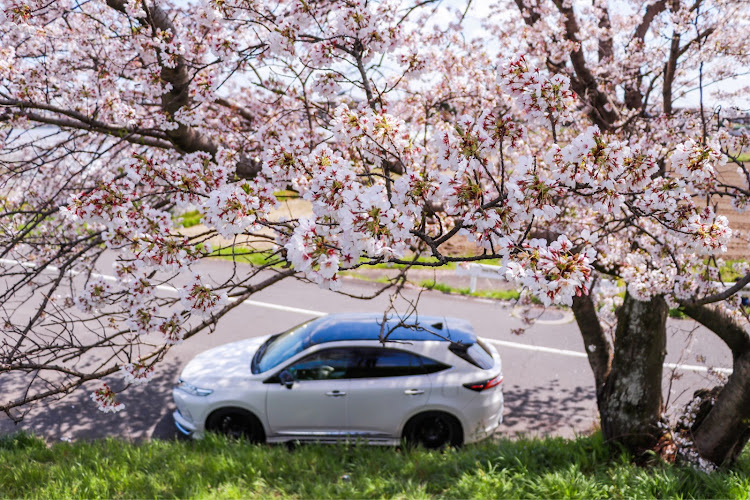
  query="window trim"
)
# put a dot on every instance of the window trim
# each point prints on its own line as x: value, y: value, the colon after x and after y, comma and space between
x: 275, y: 379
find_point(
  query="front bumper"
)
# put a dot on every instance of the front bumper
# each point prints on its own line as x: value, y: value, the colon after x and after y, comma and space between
x: 182, y: 424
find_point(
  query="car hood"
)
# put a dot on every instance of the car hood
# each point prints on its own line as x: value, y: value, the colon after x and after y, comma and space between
x: 222, y: 364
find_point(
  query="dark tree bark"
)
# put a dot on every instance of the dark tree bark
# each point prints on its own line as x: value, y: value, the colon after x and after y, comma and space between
x: 633, y: 94
x: 721, y: 436
x: 631, y: 402
x: 628, y: 377
x: 595, y: 342
x: 670, y: 68
x: 185, y: 138
x: 584, y: 83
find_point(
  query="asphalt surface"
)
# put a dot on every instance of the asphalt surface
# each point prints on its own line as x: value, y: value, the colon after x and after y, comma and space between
x: 548, y: 383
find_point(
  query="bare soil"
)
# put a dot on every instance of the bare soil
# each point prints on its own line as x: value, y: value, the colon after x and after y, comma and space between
x: 739, y: 222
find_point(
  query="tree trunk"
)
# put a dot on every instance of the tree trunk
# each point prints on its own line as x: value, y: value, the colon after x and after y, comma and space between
x: 722, y: 435
x: 725, y: 430
x: 631, y: 402
x: 595, y: 342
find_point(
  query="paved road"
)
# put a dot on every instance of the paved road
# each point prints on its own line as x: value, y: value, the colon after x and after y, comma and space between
x: 548, y: 383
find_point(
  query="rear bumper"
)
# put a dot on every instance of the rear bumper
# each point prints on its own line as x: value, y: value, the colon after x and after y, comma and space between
x: 487, y: 418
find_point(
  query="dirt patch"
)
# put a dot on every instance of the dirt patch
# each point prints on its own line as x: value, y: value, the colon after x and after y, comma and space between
x: 739, y: 222
x: 292, y: 208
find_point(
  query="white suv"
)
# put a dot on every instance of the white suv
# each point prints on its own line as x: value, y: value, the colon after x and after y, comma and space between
x: 431, y: 382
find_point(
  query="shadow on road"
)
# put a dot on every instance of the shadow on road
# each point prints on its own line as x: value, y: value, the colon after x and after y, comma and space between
x: 147, y: 414
x: 549, y: 409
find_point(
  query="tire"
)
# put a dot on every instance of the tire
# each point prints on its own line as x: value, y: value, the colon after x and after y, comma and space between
x: 433, y: 430
x: 236, y: 423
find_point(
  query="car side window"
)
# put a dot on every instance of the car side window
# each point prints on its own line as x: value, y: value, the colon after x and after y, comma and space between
x: 429, y: 365
x: 323, y: 365
x: 377, y: 363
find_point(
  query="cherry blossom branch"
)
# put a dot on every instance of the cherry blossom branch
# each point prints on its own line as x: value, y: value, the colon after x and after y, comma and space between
x: 134, y: 136
x: 734, y: 335
x: 585, y: 84
x: 184, y: 137
x: 718, y: 297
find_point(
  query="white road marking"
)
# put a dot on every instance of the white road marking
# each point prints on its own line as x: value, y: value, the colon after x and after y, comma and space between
x: 696, y: 368
x: 538, y: 348
x: 503, y: 343
x: 577, y: 354
x: 171, y: 289
x: 267, y: 305
x: 284, y: 308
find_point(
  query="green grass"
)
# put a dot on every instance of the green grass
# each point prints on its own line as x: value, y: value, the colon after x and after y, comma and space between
x: 490, y: 294
x: 256, y: 258
x: 728, y: 274
x: 286, y: 194
x: 391, y: 265
x: 218, y: 468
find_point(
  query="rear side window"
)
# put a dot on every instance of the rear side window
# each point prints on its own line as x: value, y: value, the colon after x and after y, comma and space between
x: 431, y: 366
x: 475, y: 354
x: 378, y: 363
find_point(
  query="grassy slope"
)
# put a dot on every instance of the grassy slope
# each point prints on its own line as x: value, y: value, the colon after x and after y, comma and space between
x: 552, y: 468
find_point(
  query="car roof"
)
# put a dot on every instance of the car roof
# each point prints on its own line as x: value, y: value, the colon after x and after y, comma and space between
x: 367, y: 326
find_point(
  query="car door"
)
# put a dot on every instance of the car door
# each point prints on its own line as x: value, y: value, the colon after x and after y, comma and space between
x: 315, y: 404
x: 386, y: 384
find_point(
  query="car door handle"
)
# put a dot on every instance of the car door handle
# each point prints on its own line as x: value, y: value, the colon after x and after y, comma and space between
x: 413, y: 392
x: 335, y: 394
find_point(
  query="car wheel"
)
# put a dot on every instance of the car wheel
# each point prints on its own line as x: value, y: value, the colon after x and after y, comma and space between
x: 236, y: 423
x: 433, y: 429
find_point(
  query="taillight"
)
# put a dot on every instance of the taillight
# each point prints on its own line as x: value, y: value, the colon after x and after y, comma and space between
x: 486, y: 384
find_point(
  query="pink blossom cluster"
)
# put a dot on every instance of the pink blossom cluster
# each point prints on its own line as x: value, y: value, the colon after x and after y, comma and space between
x: 312, y: 251
x: 106, y: 399
x: 542, y: 99
x: 238, y: 208
x: 710, y: 233
x: 96, y: 292
x: 137, y: 373
x: 696, y: 163
x: 552, y: 272
x: 198, y: 297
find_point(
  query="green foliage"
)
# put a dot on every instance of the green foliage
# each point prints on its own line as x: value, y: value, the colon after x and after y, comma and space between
x: 217, y: 467
x: 677, y: 314
x: 189, y: 219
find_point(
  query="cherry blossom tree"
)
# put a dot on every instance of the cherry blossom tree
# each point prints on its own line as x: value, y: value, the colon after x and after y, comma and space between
x: 552, y: 141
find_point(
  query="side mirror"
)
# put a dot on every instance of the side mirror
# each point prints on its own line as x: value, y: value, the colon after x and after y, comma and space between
x: 286, y: 379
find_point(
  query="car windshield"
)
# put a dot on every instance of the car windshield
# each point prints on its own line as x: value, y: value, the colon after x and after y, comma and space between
x: 281, y: 347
